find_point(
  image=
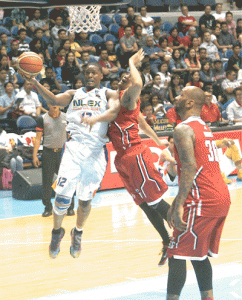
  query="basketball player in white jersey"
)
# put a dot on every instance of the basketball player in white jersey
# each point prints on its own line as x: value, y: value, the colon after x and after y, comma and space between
x: 84, y: 162
x: 169, y: 168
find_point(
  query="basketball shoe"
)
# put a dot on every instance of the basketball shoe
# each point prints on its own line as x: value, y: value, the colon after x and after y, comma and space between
x: 164, y: 257
x: 76, y: 237
x: 54, y: 247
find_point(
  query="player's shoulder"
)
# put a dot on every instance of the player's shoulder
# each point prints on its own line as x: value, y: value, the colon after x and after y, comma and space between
x: 183, y: 131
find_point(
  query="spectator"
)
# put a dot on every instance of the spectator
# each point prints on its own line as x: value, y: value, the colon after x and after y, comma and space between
x: 192, y: 61
x: 209, y: 87
x: 86, y: 58
x: 186, y: 21
x: 156, y: 35
x: 121, y: 30
x: 163, y: 44
x: 144, y: 96
x: 18, y: 17
x: 235, y: 61
x: 147, y: 111
x: 44, y: 105
x: 128, y: 46
x: 145, y: 69
x: 114, y: 84
x: 195, y: 44
x: 78, y: 83
x: 23, y: 46
x: 174, y: 40
x: 138, y: 21
x: 130, y: 16
x: 140, y: 36
x: 75, y: 47
x: 234, y: 109
x: 61, y: 38
x: 50, y: 78
x: 195, y: 80
x: 70, y: 70
x: 109, y: 70
x: 59, y: 11
x: 158, y: 23
x: 66, y: 45
x: 210, y: 111
x: 175, y: 87
x: 207, y: 21
x: 230, y: 83
x: 158, y: 108
x: 206, y: 73
x: 10, y: 71
x: 172, y: 115
x: 4, y: 41
x: 154, y: 53
x: 187, y: 40
x: 85, y: 44
x: 218, y: 72
x: 55, y: 30
x: 225, y: 39
x: 112, y: 55
x: 7, y: 102
x: 212, y: 50
x: 36, y: 46
x: 36, y: 22
x: 14, y: 53
x: 231, y: 23
x: 219, y: 15
x: 239, y: 30
x: 29, y: 104
x: 3, y: 76
x: 164, y: 75
x: 203, y: 55
x: 177, y: 65
x: 147, y: 21
x: 159, y: 90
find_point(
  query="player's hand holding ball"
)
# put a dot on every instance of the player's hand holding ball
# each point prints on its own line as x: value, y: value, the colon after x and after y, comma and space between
x: 29, y: 65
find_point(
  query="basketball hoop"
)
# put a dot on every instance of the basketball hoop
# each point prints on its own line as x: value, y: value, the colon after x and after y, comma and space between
x: 84, y: 18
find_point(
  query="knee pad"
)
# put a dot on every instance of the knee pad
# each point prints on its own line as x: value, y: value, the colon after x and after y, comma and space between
x: 61, y: 204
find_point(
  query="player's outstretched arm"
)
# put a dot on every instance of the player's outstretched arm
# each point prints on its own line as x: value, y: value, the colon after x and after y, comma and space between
x: 60, y: 100
x: 145, y: 127
x: 131, y: 95
x: 110, y: 114
x: 184, y: 139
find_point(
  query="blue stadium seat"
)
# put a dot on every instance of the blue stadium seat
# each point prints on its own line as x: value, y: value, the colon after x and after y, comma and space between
x: 155, y: 3
x: 14, y: 31
x: 137, y: 3
x: 106, y: 20
x: 110, y: 37
x: 102, y: 31
x: 46, y: 39
x: 181, y: 35
x: 25, y: 124
x: 96, y: 39
x: 7, y: 22
x: 117, y: 18
x: 50, y: 50
x: 172, y: 2
x: 5, y: 30
x: 20, y: 79
x: 225, y: 66
x: 228, y: 54
x: 113, y: 29
x: 190, y: 2
x: 240, y: 54
x: 167, y: 26
x: 207, y: 2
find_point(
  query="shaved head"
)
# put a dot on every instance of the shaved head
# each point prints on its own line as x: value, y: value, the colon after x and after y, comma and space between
x: 196, y: 94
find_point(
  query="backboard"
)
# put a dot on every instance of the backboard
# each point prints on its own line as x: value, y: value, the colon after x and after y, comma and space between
x: 56, y: 3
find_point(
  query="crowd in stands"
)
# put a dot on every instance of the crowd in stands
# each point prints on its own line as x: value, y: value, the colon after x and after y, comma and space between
x: 205, y: 53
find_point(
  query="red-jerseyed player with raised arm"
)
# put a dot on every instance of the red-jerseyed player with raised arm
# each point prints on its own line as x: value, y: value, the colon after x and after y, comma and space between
x: 200, y: 208
x: 134, y: 160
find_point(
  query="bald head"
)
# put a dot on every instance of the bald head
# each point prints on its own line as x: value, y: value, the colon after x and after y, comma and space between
x: 196, y: 94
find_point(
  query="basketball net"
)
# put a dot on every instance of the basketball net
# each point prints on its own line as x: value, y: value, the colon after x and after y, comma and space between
x: 84, y: 18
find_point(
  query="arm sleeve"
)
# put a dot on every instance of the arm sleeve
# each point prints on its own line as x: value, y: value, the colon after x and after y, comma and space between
x: 39, y: 123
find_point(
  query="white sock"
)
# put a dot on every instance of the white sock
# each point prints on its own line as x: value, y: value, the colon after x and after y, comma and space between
x: 79, y: 229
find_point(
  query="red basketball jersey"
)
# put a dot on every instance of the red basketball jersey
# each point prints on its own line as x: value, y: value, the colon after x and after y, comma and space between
x: 209, y: 191
x: 124, y: 131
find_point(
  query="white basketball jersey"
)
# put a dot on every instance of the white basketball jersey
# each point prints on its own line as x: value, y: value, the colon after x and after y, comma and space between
x: 88, y: 103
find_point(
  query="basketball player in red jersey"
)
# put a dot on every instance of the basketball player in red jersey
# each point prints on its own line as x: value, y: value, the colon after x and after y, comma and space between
x: 134, y: 160
x: 199, y: 210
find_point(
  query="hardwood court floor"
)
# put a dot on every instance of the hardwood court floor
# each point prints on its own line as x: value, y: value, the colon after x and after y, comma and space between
x: 119, y: 244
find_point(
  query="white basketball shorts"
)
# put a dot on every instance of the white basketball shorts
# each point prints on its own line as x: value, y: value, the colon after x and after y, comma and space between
x: 81, y: 170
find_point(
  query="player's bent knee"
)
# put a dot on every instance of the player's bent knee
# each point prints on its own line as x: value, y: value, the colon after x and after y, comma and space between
x: 61, y: 204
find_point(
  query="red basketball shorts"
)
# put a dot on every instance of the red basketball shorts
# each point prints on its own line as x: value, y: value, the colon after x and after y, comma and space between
x: 140, y: 176
x: 201, y: 238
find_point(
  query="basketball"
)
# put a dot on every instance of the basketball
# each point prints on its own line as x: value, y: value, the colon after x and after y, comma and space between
x: 29, y: 63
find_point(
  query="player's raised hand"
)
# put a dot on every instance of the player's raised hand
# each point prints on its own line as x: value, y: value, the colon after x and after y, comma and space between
x: 137, y: 58
x: 26, y: 77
